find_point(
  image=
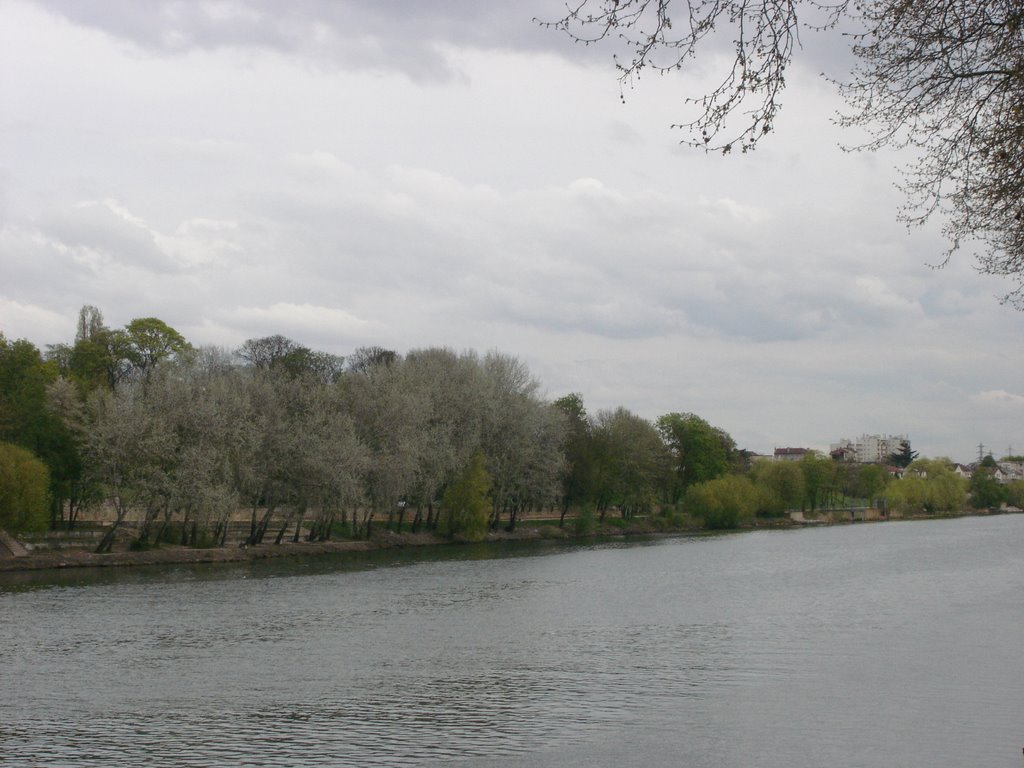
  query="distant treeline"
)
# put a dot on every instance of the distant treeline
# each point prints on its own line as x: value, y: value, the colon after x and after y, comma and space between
x: 178, y: 439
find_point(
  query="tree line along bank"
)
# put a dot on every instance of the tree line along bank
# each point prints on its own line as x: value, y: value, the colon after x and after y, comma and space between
x: 174, y: 440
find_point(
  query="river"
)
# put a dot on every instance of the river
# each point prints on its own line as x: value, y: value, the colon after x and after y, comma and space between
x: 874, y: 646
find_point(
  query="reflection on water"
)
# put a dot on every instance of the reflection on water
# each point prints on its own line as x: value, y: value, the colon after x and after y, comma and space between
x: 881, y: 645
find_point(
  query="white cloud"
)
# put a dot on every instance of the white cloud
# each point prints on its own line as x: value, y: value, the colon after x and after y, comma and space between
x: 474, y: 182
x: 999, y: 398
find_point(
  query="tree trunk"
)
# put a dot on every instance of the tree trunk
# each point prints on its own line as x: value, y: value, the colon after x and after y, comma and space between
x: 284, y: 527
x: 108, y: 538
x: 259, y: 528
x: 298, y: 525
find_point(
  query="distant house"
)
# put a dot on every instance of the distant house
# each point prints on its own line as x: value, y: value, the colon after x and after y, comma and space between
x: 840, y: 452
x: 1002, y: 471
x: 791, y: 454
x: 962, y: 470
x: 1011, y: 470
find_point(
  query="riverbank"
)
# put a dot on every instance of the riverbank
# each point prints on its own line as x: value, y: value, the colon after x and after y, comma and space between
x: 381, y: 539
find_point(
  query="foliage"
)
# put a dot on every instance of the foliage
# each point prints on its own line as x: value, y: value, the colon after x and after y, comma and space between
x: 700, y: 452
x: 296, y: 360
x: 904, y: 456
x: 987, y: 492
x: 522, y: 437
x: 466, y: 501
x: 24, y: 490
x: 584, y: 524
x: 820, y: 475
x: 27, y: 420
x: 632, y: 462
x: 940, y: 77
x: 1015, y: 493
x: 929, y: 485
x: 780, y: 486
x: 871, y: 480
x: 726, y: 502
x: 578, y: 475
x: 148, y: 341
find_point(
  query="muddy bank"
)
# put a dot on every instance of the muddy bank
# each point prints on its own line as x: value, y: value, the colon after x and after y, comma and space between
x: 167, y: 555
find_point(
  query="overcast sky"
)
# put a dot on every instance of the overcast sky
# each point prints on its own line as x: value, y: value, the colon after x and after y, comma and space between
x: 451, y: 174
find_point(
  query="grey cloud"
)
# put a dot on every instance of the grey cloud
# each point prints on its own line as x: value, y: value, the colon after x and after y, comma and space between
x: 97, y: 228
x: 382, y: 35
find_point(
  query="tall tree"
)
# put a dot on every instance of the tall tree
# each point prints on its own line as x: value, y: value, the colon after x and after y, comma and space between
x: 781, y: 485
x: 27, y: 420
x: 453, y: 390
x: 387, y: 415
x: 522, y: 439
x: 578, y: 475
x: 633, y: 462
x: 700, y: 451
x: 149, y: 340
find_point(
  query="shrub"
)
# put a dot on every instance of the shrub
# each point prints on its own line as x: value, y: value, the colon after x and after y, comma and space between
x: 24, y: 490
x: 584, y: 523
x: 723, y: 503
x: 467, y: 503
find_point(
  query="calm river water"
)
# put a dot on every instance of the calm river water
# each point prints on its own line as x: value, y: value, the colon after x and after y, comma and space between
x: 895, y: 644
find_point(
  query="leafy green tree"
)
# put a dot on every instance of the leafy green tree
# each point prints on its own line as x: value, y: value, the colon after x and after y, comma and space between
x: 819, y: 480
x: 986, y: 492
x: 24, y: 490
x: 578, y: 476
x: 780, y: 485
x: 466, y: 501
x: 909, y: 494
x: 633, y: 462
x: 99, y: 357
x: 929, y: 485
x: 726, y: 502
x: 870, y: 481
x: 1015, y: 493
x: 148, y: 341
x: 700, y: 452
x: 27, y: 420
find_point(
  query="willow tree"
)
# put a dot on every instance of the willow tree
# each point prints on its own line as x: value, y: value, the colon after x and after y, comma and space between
x: 944, y: 78
x: 24, y: 490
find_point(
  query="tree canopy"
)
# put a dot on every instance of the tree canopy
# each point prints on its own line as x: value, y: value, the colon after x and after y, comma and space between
x: 944, y: 78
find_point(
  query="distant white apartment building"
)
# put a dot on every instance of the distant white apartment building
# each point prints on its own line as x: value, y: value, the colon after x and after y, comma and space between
x: 868, y: 449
